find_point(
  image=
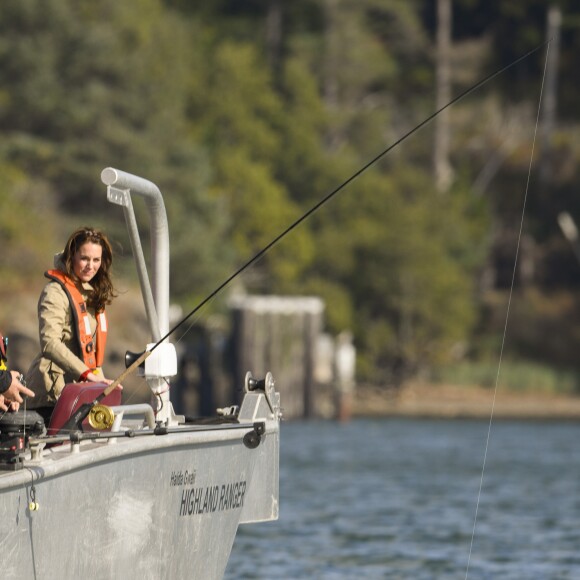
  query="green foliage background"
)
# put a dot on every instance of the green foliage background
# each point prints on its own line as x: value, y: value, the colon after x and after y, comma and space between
x: 245, y: 125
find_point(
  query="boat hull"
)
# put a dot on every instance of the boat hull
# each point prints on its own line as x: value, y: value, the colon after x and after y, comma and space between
x: 164, y: 506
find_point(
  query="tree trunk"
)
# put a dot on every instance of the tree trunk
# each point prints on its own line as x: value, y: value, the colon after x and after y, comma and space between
x: 548, y: 118
x: 274, y: 35
x: 441, y: 164
x: 330, y: 90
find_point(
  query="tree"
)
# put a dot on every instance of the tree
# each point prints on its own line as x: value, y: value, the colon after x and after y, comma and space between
x: 93, y: 85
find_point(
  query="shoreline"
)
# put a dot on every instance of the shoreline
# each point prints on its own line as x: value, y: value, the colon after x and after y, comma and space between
x: 463, y: 402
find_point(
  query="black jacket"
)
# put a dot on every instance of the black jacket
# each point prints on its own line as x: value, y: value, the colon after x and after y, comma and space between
x: 5, y: 381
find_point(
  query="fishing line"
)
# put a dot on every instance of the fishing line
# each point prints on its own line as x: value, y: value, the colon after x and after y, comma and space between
x: 547, y: 43
x: 85, y: 409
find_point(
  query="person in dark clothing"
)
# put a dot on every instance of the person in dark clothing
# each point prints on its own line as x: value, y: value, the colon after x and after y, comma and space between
x: 12, y: 390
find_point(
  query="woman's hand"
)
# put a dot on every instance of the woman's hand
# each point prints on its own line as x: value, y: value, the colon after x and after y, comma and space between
x: 101, y: 379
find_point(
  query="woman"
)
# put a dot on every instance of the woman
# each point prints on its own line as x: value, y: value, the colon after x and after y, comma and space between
x: 72, y: 321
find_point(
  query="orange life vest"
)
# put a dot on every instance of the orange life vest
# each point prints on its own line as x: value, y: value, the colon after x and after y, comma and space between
x: 93, y: 354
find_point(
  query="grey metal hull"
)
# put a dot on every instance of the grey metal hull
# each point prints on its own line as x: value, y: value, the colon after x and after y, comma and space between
x: 152, y: 507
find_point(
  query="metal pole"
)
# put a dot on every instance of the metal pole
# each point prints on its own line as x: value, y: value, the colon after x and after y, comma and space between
x: 159, y: 228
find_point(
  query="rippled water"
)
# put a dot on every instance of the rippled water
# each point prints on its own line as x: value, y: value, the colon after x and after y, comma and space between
x: 397, y: 498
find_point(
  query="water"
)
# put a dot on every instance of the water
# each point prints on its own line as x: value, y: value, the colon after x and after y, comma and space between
x: 397, y: 499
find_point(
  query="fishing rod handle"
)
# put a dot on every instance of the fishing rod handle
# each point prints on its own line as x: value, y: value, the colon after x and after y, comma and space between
x: 126, y: 373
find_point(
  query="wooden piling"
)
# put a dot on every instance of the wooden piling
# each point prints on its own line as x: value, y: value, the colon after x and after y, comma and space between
x: 279, y: 334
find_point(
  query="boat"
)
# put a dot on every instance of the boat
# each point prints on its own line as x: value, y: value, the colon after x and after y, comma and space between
x: 136, y: 491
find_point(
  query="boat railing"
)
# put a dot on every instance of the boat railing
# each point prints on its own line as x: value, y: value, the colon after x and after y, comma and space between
x: 142, y: 410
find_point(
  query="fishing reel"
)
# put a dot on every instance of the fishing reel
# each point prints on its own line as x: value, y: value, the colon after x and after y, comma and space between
x: 101, y: 417
x: 15, y: 431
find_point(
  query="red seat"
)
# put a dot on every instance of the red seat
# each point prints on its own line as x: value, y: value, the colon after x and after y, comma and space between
x: 73, y: 396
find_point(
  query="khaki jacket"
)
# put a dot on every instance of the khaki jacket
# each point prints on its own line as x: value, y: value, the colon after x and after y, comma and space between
x: 59, y: 361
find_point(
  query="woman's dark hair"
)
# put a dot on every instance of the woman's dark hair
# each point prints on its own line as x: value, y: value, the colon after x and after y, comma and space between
x: 104, y: 292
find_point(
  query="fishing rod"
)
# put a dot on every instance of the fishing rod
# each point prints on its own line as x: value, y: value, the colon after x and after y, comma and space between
x: 78, y: 417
